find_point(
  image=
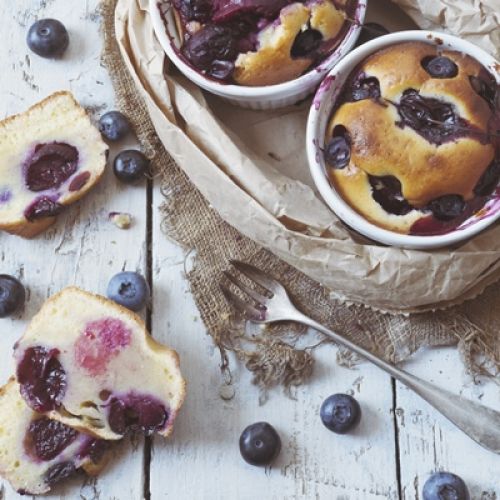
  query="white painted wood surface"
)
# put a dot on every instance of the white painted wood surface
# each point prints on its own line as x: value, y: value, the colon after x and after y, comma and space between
x: 401, y: 439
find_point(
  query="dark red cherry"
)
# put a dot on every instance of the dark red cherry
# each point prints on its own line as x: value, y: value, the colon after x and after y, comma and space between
x: 212, y: 43
x: 447, y: 207
x: 486, y: 86
x: 42, y: 378
x: 489, y: 180
x: 50, y: 166
x: 46, y: 439
x: 42, y: 207
x: 194, y: 10
x: 306, y: 43
x: 440, y: 67
x: 59, y: 472
x: 386, y: 191
x: 364, y: 88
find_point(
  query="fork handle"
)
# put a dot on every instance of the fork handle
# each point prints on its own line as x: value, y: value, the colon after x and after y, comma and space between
x: 480, y: 423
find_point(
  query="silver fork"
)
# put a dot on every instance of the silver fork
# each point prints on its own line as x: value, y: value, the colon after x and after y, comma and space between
x: 480, y: 423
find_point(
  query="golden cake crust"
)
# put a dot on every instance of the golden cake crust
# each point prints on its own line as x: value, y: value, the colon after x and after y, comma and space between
x: 379, y: 147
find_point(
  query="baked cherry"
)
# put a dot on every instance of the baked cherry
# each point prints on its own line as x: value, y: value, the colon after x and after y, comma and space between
x: 489, y: 180
x: 194, y: 10
x: 46, y: 438
x: 212, y: 43
x: 42, y: 379
x: 260, y: 444
x: 42, y: 207
x: 364, y: 88
x: 447, y: 207
x: 386, y: 191
x: 59, y: 472
x: 306, y: 43
x: 440, y: 67
x: 486, y: 86
x: 50, y: 166
x: 136, y: 413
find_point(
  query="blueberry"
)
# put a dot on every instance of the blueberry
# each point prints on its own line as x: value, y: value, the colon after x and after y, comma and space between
x: 260, y: 444
x: 447, y: 207
x: 440, y: 67
x: 338, y: 152
x: 114, y: 126
x: 48, y: 38
x: 445, y: 486
x: 306, y: 43
x: 12, y: 295
x: 340, y: 413
x: 130, y: 166
x: 129, y: 290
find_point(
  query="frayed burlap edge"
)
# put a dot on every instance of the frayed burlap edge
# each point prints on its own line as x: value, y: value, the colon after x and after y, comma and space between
x: 273, y: 355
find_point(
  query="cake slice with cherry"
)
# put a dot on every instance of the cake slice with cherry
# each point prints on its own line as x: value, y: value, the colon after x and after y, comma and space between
x: 50, y: 156
x: 91, y: 364
x: 36, y: 453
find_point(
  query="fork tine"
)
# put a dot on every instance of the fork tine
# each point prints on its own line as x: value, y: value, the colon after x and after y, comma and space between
x: 256, y: 275
x: 250, y: 312
x: 249, y: 291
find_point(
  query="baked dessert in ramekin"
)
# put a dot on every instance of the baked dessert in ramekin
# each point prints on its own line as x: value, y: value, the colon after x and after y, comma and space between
x: 251, y: 51
x: 410, y: 144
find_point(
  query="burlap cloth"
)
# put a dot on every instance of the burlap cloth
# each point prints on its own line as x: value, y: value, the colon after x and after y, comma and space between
x: 271, y: 354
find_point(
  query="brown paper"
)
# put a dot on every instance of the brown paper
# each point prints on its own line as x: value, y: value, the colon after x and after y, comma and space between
x: 477, y: 21
x: 252, y: 168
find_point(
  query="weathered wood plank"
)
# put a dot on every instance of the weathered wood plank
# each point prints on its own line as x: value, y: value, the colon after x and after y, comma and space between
x: 202, y: 458
x: 83, y: 248
x: 428, y: 442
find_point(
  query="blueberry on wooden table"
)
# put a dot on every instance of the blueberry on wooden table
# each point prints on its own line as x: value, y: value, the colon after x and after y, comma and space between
x: 114, y: 126
x: 48, y: 38
x: 130, y: 290
x: 340, y: 413
x: 260, y: 444
x: 445, y: 486
x: 130, y: 166
x: 12, y: 295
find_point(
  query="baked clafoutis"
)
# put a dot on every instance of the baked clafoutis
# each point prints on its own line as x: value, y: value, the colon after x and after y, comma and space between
x: 50, y: 156
x: 36, y: 453
x: 412, y: 144
x: 259, y: 42
x: 89, y: 363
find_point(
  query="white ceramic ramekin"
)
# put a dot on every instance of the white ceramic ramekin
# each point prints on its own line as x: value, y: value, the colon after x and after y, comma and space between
x: 268, y: 97
x: 319, y: 117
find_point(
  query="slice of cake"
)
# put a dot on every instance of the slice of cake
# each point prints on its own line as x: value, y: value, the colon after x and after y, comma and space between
x: 50, y: 156
x: 91, y: 364
x: 36, y: 452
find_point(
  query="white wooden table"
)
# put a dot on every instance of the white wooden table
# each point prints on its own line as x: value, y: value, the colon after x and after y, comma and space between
x: 401, y: 439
